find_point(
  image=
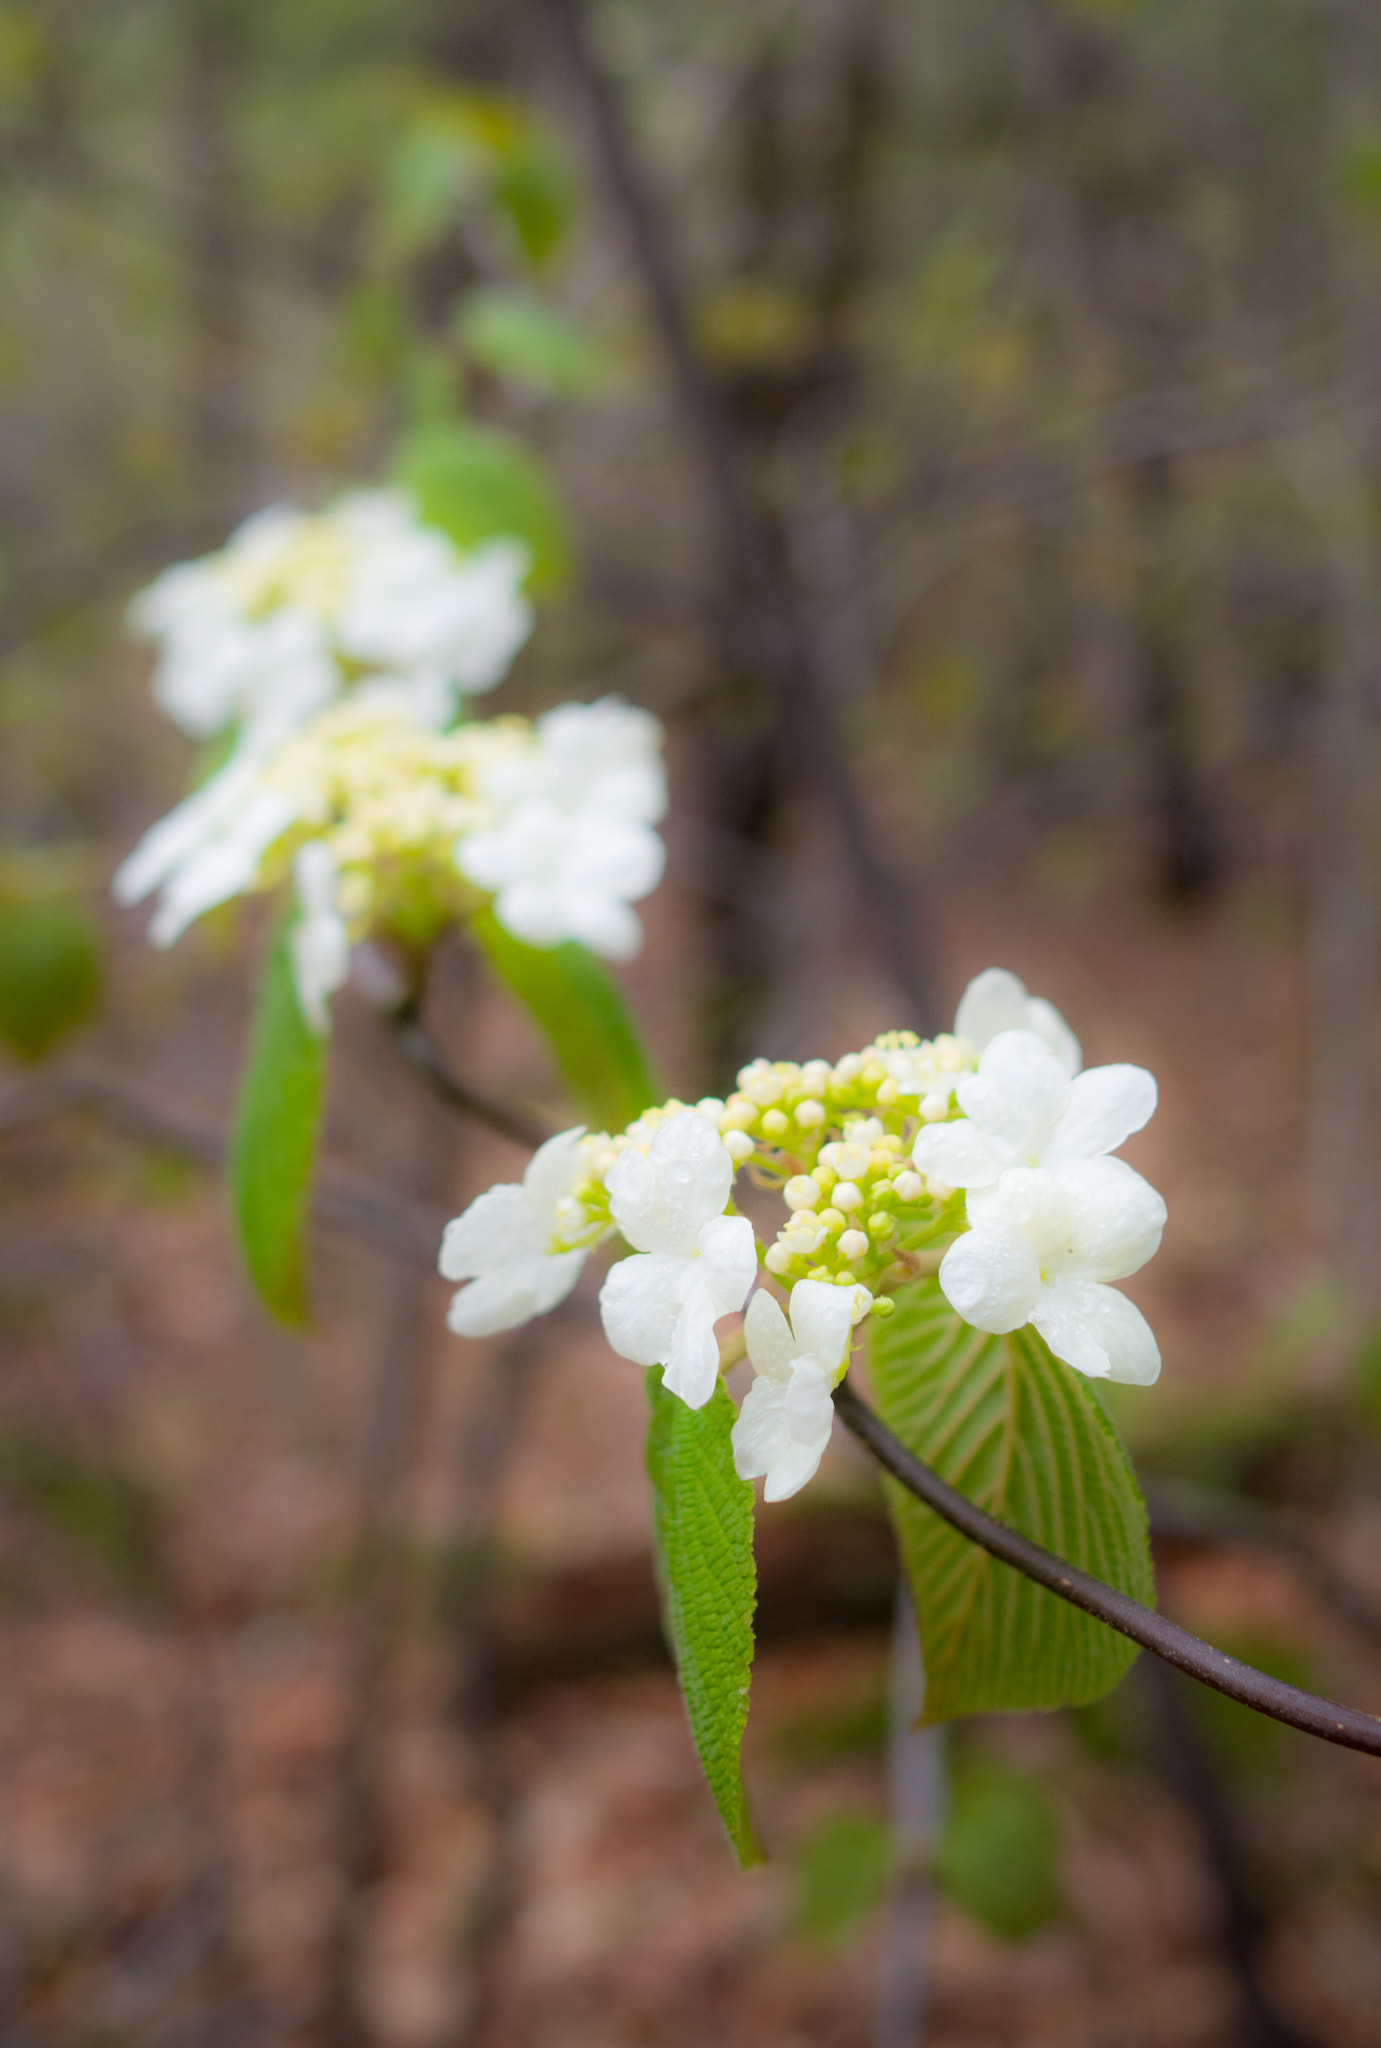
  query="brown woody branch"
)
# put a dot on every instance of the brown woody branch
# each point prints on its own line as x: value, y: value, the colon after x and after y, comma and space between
x: 1165, y: 1639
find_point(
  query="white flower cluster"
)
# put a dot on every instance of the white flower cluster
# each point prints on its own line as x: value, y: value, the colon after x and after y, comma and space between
x: 871, y: 1155
x: 299, y: 607
x: 338, y: 646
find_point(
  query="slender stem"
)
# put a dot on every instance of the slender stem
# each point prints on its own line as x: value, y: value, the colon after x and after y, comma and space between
x: 426, y: 1058
x: 1303, y: 1710
x: 409, y: 1229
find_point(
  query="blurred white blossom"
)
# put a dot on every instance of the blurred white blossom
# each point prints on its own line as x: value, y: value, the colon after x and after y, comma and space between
x: 572, y: 845
x: 393, y: 806
x: 320, y: 939
x: 300, y: 607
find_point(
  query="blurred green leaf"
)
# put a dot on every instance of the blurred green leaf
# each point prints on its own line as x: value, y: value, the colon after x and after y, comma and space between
x: 273, y: 1142
x: 476, y: 483
x: 999, y: 1853
x: 519, y: 337
x: 841, y: 1873
x: 581, y: 1011
x: 1024, y: 1437
x: 537, y: 190
x: 50, y: 973
x: 467, y: 146
x: 702, y: 1515
x: 100, y: 1512
x: 434, y: 167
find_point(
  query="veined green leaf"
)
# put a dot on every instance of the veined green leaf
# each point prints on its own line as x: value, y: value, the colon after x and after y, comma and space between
x: 583, y: 1014
x: 476, y: 484
x: 273, y: 1142
x: 1024, y: 1437
x: 703, y: 1518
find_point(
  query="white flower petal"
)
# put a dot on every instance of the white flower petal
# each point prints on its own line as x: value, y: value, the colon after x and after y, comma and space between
x: 1106, y: 1104
x: 552, y: 1172
x: 771, y: 1346
x: 797, y: 1464
x: 556, y: 1276
x: 661, y: 1200
x: 764, y: 1446
x: 728, y: 1262
x: 1098, y: 1331
x: 994, y: 1001
x: 1047, y: 1023
x: 809, y: 1409
x: 1116, y: 1218
x: 991, y: 1277
x: 499, y: 1301
x: 822, y: 1317
x: 960, y: 1154
x: 498, y: 1229
x: 1018, y: 1094
x: 1034, y: 1201
x: 692, y: 1357
x: 760, y: 1434
x: 639, y: 1304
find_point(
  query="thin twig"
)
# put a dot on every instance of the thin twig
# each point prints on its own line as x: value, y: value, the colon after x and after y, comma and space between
x: 1243, y: 1682
x: 409, y: 1229
x: 426, y: 1058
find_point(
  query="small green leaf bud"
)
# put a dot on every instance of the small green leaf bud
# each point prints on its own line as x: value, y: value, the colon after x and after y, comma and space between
x: 831, y: 1220
x: 883, y: 1307
x: 881, y: 1226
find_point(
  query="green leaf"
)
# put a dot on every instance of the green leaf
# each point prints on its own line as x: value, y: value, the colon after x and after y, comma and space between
x: 50, y: 973
x: 581, y: 1011
x: 1024, y: 1437
x: 520, y: 338
x: 476, y: 483
x: 702, y: 1516
x: 999, y: 1853
x: 842, y: 1871
x: 536, y: 188
x: 273, y: 1142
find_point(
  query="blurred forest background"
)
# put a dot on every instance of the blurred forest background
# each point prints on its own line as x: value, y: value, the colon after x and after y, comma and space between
x: 961, y: 421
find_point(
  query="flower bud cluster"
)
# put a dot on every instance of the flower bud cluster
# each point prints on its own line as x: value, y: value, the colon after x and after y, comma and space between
x: 390, y: 798
x: 837, y: 1139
